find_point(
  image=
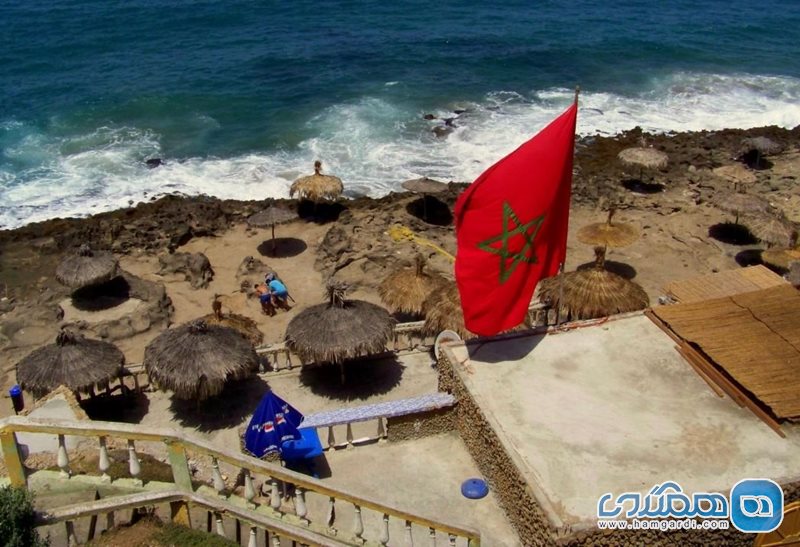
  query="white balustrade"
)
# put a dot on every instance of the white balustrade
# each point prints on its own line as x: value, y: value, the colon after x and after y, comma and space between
x: 300, y: 504
x: 219, y: 484
x: 253, y: 541
x: 275, y: 496
x: 358, y: 524
x: 220, y: 526
x: 276, y: 540
x: 384, y: 539
x: 134, y: 467
x: 381, y: 431
x: 331, y: 438
x: 102, y: 461
x: 249, y: 488
x: 350, y: 436
x: 431, y: 537
x: 452, y: 539
x: 63, y: 459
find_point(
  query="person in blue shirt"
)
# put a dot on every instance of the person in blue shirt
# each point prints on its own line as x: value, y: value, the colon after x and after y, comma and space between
x: 278, y: 291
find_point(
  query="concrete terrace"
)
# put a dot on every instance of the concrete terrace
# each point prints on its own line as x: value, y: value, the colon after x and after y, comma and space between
x: 614, y: 408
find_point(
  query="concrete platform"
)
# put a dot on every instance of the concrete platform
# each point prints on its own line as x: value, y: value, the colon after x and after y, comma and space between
x: 614, y: 408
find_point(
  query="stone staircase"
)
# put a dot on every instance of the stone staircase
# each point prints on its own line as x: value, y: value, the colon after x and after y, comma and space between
x: 269, y: 505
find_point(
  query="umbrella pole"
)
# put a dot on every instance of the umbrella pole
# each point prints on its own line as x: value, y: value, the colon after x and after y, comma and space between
x: 273, y: 239
x: 424, y: 208
x: 560, y: 293
x: 341, y: 371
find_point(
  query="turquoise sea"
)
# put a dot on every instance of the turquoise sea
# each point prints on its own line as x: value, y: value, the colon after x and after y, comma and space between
x: 240, y: 97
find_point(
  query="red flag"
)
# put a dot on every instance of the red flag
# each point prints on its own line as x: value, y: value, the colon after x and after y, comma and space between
x: 511, y: 227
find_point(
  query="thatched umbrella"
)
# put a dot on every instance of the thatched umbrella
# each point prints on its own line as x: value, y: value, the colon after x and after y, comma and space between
x: 317, y: 187
x: 741, y: 202
x: 339, y: 329
x: 737, y: 173
x: 754, y: 148
x: 87, y: 267
x: 244, y: 325
x: 774, y: 230
x: 443, y: 312
x: 782, y: 258
x: 608, y: 234
x: 74, y: 361
x: 424, y: 186
x: 271, y: 216
x: 406, y: 290
x: 643, y: 158
x: 595, y: 292
x: 195, y: 359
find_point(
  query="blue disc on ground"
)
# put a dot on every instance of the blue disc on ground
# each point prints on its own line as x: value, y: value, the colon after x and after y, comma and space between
x: 474, y: 488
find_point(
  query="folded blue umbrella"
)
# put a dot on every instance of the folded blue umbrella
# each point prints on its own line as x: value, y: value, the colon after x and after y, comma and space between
x: 273, y: 422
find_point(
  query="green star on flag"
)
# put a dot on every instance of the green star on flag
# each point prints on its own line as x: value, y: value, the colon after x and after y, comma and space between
x: 526, y: 254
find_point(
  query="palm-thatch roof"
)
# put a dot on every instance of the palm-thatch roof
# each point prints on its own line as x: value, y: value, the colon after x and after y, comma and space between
x: 87, y: 267
x: 443, y: 311
x: 74, y: 361
x: 763, y: 145
x: 591, y: 293
x: 243, y: 325
x: 271, y: 216
x: 782, y: 258
x: 773, y: 230
x: 317, y: 187
x: 741, y: 203
x: 424, y: 185
x: 608, y: 233
x: 406, y: 290
x: 339, y: 329
x: 737, y: 173
x: 648, y: 158
x: 194, y: 360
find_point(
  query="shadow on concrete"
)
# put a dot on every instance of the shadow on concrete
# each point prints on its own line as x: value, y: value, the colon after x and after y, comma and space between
x: 237, y: 401
x: 285, y: 247
x: 320, y: 213
x: 638, y: 186
x: 362, y: 378
x: 732, y: 233
x: 103, y: 296
x: 749, y: 257
x: 488, y: 352
x: 431, y: 211
x: 620, y: 268
x: 130, y: 408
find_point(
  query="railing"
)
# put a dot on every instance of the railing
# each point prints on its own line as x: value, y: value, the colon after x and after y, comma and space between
x: 288, y: 495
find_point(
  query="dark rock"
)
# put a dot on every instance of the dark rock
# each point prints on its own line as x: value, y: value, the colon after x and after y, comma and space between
x: 195, y: 266
x: 442, y: 131
x: 428, y: 117
x: 154, y: 162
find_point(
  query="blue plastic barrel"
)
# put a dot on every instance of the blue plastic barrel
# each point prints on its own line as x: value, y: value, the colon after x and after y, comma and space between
x: 16, y: 398
x: 474, y: 488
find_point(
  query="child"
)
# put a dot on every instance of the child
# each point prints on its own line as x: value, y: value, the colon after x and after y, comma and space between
x: 280, y: 294
x: 265, y: 297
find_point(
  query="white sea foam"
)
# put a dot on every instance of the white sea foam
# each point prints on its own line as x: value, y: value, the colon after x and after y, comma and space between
x: 372, y: 144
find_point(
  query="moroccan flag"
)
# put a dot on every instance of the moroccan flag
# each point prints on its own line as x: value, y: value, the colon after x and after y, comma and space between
x: 511, y: 228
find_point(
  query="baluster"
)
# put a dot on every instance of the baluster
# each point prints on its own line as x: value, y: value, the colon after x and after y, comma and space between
x: 381, y: 431
x: 331, y: 438
x: 219, y: 484
x: 358, y: 525
x: 103, y: 463
x: 300, y: 504
x: 452, y: 539
x: 409, y: 535
x: 276, y: 540
x: 349, y: 436
x: 275, y: 496
x: 133, y: 461
x: 63, y: 459
x: 330, y: 519
x: 110, y: 520
x: 220, y: 524
x: 432, y: 537
x: 72, y: 539
x: 384, y: 539
x: 253, y: 541
x: 249, y: 488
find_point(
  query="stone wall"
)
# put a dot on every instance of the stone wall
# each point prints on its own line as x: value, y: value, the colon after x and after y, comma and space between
x: 423, y: 424
x: 520, y: 505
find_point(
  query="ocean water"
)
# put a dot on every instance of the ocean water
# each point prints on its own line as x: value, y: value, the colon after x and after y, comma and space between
x: 240, y: 97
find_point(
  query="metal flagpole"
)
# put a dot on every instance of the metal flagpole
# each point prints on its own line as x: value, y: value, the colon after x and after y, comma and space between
x: 561, y: 266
